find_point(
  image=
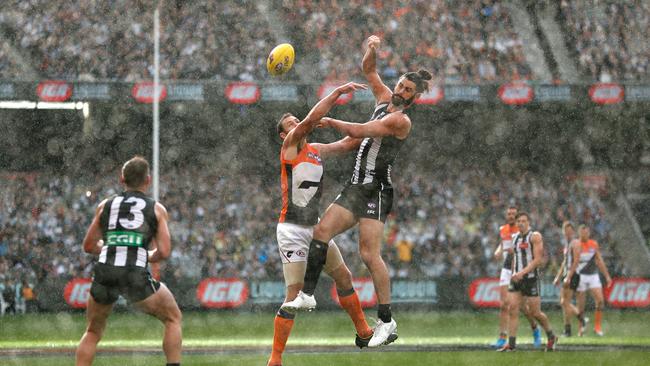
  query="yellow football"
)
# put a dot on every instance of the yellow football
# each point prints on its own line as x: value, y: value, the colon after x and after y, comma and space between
x: 280, y: 59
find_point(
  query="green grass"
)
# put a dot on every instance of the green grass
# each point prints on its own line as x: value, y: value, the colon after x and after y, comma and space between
x: 248, y: 336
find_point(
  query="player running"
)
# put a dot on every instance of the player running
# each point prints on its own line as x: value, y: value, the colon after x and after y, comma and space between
x: 504, y: 252
x: 528, y: 249
x: 128, y: 232
x: 368, y: 196
x: 569, y: 283
x: 301, y: 180
x: 589, y: 262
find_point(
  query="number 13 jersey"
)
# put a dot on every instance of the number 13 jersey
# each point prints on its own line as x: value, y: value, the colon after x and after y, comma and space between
x: 301, y: 180
x: 128, y: 222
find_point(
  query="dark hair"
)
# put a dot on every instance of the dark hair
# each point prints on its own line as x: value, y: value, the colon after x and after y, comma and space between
x: 567, y: 224
x: 513, y: 207
x: 522, y: 213
x: 135, y: 171
x: 420, y: 78
x: 279, y: 127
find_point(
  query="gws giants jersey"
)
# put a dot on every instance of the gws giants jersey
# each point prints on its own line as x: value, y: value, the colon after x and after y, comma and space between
x: 301, y: 180
x: 523, y: 253
x: 376, y: 155
x: 506, y: 232
x: 128, y: 222
x: 587, y: 264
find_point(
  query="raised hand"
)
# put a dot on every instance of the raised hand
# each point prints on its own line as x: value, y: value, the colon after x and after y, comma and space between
x: 373, y: 42
x: 351, y: 87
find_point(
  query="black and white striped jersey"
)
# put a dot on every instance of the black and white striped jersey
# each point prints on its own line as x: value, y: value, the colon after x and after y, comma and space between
x: 523, y: 253
x: 568, y: 256
x: 376, y: 155
x: 128, y: 223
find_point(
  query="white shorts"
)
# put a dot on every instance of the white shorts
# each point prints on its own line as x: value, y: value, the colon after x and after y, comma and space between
x: 589, y: 281
x: 506, y: 275
x: 293, y: 244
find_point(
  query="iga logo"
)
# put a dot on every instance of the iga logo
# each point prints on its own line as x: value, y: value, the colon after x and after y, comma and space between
x: 484, y: 292
x: 222, y: 293
x: 628, y: 293
x: 144, y: 92
x: 243, y: 92
x: 77, y: 292
x: 365, y: 291
x: 515, y: 93
x: 54, y: 91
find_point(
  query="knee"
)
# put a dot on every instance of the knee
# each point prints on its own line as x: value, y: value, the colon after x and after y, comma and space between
x: 173, y: 316
x: 322, y: 233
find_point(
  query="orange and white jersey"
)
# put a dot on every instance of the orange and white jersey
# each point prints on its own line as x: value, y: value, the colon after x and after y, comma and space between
x: 587, y: 264
x: 506, y: 232
x: 301, y: 181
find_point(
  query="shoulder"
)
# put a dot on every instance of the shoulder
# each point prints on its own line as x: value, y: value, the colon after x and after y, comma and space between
x: 536, y: 236
x: 160, y: 210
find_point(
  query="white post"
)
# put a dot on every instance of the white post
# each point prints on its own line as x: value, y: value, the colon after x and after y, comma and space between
x: 156, y: 93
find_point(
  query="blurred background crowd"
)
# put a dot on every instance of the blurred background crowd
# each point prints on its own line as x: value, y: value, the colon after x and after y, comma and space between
x: 470, y: 41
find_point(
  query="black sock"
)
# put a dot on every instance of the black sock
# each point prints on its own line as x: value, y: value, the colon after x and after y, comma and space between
x: 549, y: 334
x: 567, y: 328
x: 174, y: 364
x: 283, y: 314
x: 512, y: 342
x: 384, y: 313
x: 315, y: 263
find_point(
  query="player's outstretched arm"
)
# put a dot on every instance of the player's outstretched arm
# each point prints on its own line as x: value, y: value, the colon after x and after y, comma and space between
x: 93, y: 242
x: 163, y: 240
x: 339, y: 147
x: 318, y: 111
x: 394, y: 124
x: 369, y: 66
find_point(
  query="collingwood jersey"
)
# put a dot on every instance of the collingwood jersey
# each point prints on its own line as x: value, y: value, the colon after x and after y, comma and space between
x: 568, y: 255
x: 301, y: 180
x: 128, y: 224
x: 523, y: 253
x: 375, y: 156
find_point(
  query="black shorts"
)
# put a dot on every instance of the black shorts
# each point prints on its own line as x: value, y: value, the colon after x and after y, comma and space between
x: 369, y: 201
x: 527, y: 286
x: 134, y: 283
x: 575, y: 281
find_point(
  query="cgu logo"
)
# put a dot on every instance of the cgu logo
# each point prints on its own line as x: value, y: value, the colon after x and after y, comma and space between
x: 327, y: 88
x: 222, y: 293
x: 77, y: 292
x: 242, y: 92
x: 606, y: 93
x: 365, y: 291
x: 628, y: 293
x: 54, y: 91
x: 143, y: 92
x: 515, y: 93
x: 484, y: 292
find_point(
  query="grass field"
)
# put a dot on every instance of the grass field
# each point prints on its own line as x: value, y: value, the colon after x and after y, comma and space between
x: 321, y: 338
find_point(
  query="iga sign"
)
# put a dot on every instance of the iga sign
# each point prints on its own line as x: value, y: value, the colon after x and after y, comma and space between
x: 364, y: 289
x: 77, y: 292
x: 222, y: 293
x: 433, y: 96
x: 515, y: 93
x: 243, y: 92
x: 606, y: 93
x: 628, y: 293
x: 54, y: 91
x: 484, y: 293
x: 143, y: 92
x: 327, y: 88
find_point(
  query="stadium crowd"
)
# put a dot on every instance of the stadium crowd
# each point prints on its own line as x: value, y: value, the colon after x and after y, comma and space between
x: 609, y: 37
x: 224, y: 226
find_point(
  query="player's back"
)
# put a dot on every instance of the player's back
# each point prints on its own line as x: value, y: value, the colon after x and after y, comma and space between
x: 128, y: 222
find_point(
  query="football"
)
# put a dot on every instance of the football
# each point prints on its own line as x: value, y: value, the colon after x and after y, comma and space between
x: 280, y: 59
